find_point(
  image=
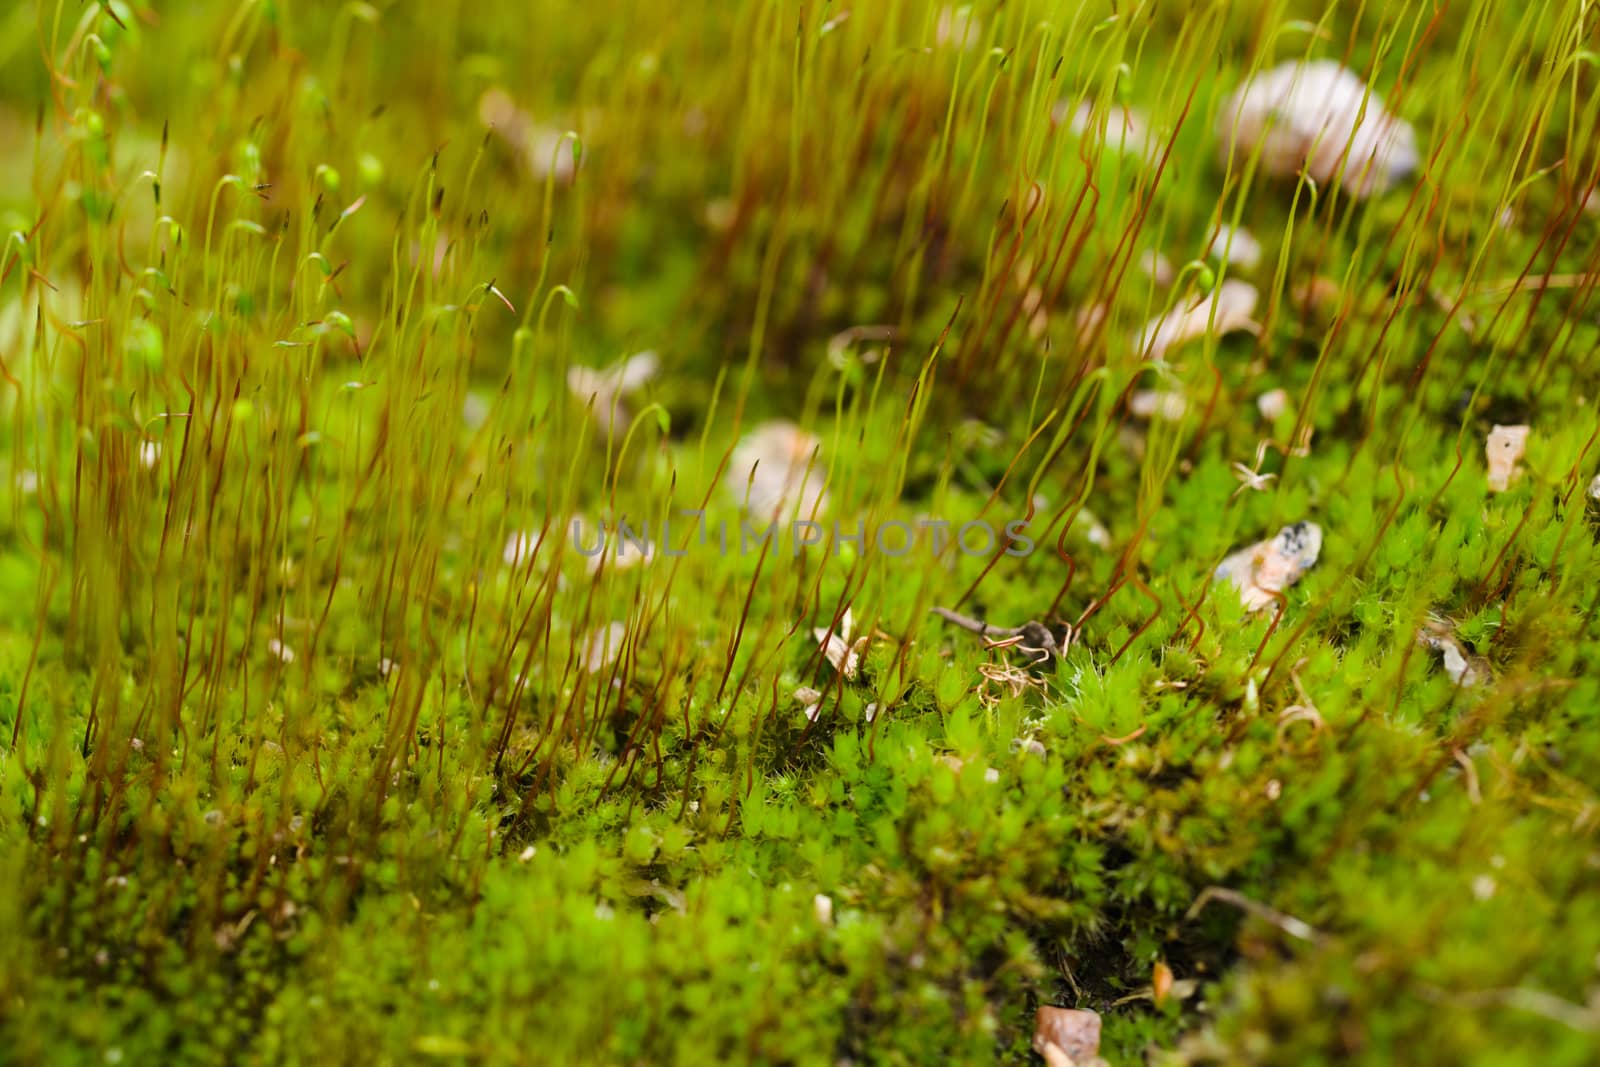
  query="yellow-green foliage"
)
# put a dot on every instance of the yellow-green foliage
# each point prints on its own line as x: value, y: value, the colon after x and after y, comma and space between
x: 300, y: 760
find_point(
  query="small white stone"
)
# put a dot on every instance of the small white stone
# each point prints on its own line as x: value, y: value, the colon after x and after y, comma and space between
x: 1166, y: 404
x: 1228, y: 309
x: 520, y: 547
x: 1321, y: 117
x: 1272, y: 404
x: 1094, y: 531
x: 1483, y: 887
x: 1122, y: 129
x: 1236, y: 246
x: 1504, y: 450
x: 1264, y: 570
x: 280, y: 650
x: 957, y: 27
x: 822, y: 905
x: 602, y: 647
x: 1463, y: 670
x: 625, y: 553
x: 1156, y: 267
x: 607, y: 387
x: 773, y: 463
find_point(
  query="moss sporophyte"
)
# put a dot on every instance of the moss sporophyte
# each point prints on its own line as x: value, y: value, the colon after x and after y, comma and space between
x: 784, y: 532
x: 891, y: 538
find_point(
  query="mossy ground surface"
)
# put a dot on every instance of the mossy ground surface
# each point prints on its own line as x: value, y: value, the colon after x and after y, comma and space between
x: 302, y: 762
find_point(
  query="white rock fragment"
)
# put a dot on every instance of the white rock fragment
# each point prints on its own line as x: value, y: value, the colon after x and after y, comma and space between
x: 625, y: 553
x: 1157, y: 267
x: 543, y: 150
x: 1229, y: 308
x: 957, y: 27
x: 1032, y: 746
x: 474, y: 411
x: 1594, y: 487
x: 280, y: 650
x: 1164, y: 404
x: 1504, y: 450
x: 772, y: 461
x: 1094, y: 531
x: 841, y: 647
x: 1464, y: 669
x: 1122, y: 129
x: 1236, y: 246
x: 1088, y: 320
x: 810, y: 702
x: 822, y: 907
x: 520, y: 547
x: 607, y: 387
x: 149, y: 454
x: 603, y: 646
x: 1322, y: 117
x: 1272, y: 404
x: 1264, y: 570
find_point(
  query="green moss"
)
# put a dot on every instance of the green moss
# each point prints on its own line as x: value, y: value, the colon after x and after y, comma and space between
x: 300, y: 761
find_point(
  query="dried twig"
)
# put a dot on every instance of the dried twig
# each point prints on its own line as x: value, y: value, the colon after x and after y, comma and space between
x: 1287, y: 923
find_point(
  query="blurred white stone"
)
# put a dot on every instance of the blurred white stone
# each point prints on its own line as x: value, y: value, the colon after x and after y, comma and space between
x: 608, y: 386
x: 1322, y: 117
x: 1504, y: 450
x: 519, y: 548
x: 957, y: 27
x: 603, y: 646
x: 772, y: 462
x: 1122, y: 129
x: 1164, y: 404
x: 1229, y: 308
x: 1236, y: 246
x: 1157, y: 267
x: 1272, y: 404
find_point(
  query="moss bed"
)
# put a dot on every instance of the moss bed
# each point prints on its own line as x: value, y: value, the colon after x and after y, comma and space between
x: 324, y: 740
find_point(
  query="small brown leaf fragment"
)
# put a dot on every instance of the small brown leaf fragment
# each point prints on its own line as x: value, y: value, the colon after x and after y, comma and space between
x: 1161, y: 982
x: 1066, y: 1036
